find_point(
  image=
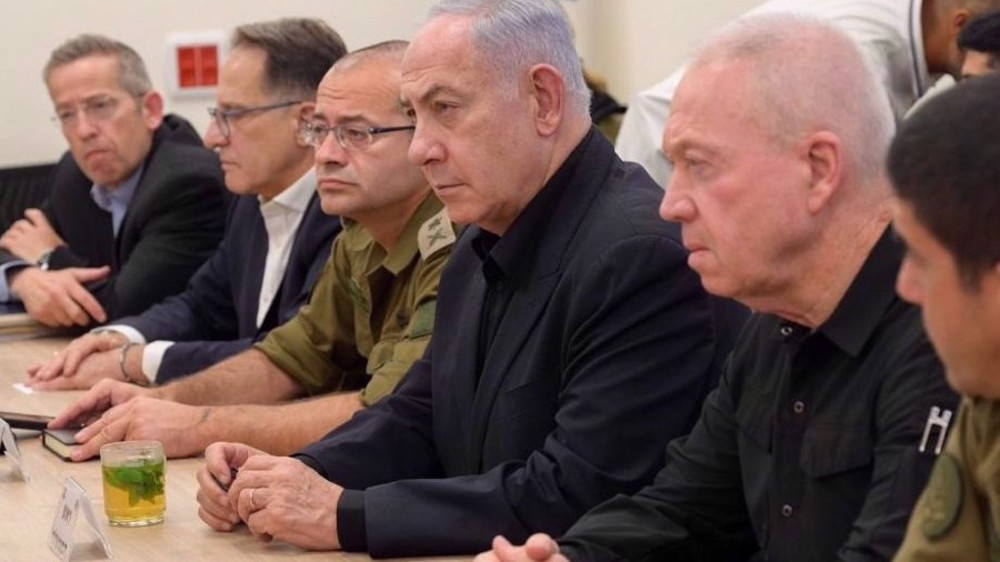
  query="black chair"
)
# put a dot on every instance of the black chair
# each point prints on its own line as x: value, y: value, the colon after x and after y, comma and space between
x: 21, y: 188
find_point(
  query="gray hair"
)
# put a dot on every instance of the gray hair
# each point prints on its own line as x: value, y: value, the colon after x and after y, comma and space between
x: 808, y: 75
x: 132, y: 75
x: 514, y: 35
x: 299, y: 53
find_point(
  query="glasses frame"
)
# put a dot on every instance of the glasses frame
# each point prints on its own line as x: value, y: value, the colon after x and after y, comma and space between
x: 222, y: 116
x: 323, y: 131
x: 92, y: 113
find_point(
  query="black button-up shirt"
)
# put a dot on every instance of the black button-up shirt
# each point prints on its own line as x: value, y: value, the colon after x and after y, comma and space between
x: 809, y: 450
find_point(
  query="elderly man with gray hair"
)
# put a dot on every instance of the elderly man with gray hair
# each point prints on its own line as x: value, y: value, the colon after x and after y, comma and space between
x: 833, y: 405
x: 571, y: 340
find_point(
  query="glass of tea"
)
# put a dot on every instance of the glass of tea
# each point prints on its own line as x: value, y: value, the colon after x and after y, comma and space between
x: 134, y: 482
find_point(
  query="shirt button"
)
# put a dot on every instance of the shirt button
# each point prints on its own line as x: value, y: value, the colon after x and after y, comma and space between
x: 785, y: 331
x: 786, y: 510
x: 799, y: 406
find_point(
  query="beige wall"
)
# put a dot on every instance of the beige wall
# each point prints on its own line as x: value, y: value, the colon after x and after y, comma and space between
x: 636, y: 43
x: 29, y: 136
x: 632, y: 43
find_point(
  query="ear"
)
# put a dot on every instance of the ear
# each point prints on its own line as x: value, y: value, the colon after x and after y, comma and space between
x: 302, y: 117
x: 548, y: 93
x: 958, y: 20
x: 824, y: 155
x: 152, y: 109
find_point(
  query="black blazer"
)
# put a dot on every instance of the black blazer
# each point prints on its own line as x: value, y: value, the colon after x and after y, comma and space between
x: 603, y: 356
x: 174, y: 222
x: 216, y: 316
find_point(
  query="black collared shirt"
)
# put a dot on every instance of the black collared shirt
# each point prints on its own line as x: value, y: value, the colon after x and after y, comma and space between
x: 505, y: 266
x: 808, y: 450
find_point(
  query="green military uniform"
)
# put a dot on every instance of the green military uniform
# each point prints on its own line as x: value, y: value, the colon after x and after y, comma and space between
x: 956, y: 518
x: 371, y: 312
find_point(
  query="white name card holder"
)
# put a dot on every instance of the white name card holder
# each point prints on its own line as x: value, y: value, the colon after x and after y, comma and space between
x: 11, y: 451
x: 74, y: 500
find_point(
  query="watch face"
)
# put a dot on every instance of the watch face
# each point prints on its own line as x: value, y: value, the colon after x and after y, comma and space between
x: 43, y: 261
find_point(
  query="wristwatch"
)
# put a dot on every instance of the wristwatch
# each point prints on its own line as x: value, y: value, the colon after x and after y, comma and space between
x: 44, y: 259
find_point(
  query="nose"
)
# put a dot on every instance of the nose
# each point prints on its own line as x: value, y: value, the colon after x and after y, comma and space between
x: 83, y: 126
x: 330, y: 152
x: 677, y: 205
x: 213, y: 135
x: 907, y: 284
x: 424, y: 147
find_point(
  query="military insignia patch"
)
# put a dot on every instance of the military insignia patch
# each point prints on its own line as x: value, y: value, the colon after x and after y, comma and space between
x: 942, y: 502
x: 435, y: 233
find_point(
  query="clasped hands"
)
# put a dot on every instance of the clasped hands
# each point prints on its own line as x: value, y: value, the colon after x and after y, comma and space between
x: 276, y: 497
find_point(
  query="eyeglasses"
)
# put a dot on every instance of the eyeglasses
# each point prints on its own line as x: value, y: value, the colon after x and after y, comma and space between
x: 224, y: 116
x: 349, y: 138
x: 97, y: 109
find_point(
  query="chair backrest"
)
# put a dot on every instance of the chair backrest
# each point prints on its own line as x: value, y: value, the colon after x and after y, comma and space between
x: 21, y: 188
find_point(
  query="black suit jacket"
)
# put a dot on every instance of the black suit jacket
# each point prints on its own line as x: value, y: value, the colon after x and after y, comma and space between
x: 216, y: 316
x: 174, y: 222
x: 604, y: 354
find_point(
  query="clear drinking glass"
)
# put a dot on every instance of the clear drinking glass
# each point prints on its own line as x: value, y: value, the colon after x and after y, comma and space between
x: 134, y: 482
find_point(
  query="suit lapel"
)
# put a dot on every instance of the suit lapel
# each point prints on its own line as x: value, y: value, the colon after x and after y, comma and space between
x: 518, y: 323
x: 462, y: 355
x: 535, y: 289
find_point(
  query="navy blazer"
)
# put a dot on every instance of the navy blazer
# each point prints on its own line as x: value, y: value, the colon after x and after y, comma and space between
x: 174, y: 222
x: 603, y: 356
x: 216, y: 316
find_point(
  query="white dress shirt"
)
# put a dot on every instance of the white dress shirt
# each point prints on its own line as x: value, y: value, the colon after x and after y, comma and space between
x: 282, y: 216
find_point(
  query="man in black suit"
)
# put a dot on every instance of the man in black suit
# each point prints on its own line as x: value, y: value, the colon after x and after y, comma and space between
x: 833, y: 405
x: 277, y: 237
x: 571, y: 340
x: 135, y: 206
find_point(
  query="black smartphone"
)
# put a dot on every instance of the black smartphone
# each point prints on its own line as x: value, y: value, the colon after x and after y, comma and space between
x: 25, y: 421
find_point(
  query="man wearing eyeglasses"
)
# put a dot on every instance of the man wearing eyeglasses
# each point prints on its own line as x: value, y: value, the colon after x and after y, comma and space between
x: 134, y: 208
x: 277, y: 237
x: 368, y: 320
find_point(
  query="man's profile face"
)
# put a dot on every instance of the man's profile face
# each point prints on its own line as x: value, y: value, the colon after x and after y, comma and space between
x: 962, y: 322
x: 736, y: 193
x: 977, y: 63
x: 261, y: 155
x: 378, y: 181
x: 109, y: 131
x: 475, y: 140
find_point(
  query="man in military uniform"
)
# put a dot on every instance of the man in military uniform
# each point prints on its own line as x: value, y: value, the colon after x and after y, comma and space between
x: 370, y: 315
x: 945, y: 168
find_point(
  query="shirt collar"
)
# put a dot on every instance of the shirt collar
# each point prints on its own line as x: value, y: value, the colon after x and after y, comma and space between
x: 105, y: 198
x: 874, y: 288
x: 503, y: 256
x: 407, y: 246
x: 296, y: 197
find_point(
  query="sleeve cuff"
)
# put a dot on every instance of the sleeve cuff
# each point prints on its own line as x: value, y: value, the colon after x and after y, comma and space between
x: 152, y: 358
x: 133, y: 335
x: 351, y: 521
x: 5, y: 269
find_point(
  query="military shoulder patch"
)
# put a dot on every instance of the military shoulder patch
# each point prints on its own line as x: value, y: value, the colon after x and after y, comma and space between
x: 435, y: 233
x: 941, y: 505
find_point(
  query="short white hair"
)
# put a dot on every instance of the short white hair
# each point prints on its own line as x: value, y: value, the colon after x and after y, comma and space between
x: 808, y: 75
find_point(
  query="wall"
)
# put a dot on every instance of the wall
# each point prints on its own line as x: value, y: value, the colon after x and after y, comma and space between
x: 34, y: 27
x: 636, y: 43
x: 632, y: 43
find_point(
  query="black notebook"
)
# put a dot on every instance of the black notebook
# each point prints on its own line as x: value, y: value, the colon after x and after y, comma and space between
x: 60, y: 441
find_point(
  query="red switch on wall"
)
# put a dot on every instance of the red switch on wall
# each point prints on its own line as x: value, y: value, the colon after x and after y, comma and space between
x: 197, y: 66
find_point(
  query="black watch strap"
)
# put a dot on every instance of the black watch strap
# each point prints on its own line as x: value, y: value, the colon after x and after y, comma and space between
x: 44, y: 259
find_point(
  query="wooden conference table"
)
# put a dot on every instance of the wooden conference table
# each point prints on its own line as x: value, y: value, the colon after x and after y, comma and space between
x: 27, y: 508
